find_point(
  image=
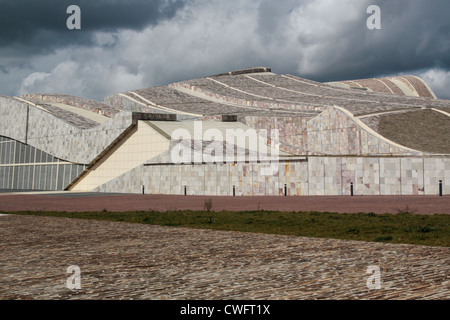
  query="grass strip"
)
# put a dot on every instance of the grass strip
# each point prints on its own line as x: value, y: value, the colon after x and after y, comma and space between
x: 404, y: 228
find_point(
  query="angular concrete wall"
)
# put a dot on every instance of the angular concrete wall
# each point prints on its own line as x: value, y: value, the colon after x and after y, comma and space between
x: 292, y: 131
x: 44, y: 131
x: 337, y: 132
x: 13, y: 120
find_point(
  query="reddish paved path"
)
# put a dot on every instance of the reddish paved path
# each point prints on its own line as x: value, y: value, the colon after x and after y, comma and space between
x: 70, y: 202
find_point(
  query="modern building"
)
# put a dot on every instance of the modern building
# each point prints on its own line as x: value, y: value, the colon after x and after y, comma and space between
x: 249, y: 132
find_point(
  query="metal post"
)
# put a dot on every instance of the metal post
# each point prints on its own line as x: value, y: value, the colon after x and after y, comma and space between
x: 440, y: 188
x: 234, y: 191
x: 185, y: 191
x: 143, y: 189
x: 285, y: 190
x: 351, y: 188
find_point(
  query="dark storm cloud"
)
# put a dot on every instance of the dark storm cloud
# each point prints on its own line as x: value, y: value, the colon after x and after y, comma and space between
x: 41, y: 25
x: 415, y: 35
x: 174, y: 40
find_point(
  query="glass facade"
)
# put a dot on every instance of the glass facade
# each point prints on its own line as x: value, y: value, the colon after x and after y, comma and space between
x: 23, y: 167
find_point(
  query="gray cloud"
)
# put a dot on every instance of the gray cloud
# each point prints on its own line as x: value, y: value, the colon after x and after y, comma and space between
x: 41, y: 25
x: 145, y: 43
x: 333, y: 42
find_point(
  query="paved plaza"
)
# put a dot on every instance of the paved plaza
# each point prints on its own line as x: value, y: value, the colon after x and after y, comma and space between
x: 132, y: 261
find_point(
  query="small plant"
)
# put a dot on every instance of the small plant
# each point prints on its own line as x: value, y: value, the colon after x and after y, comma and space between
x: 146, y: 219
x: 208, y: 205
x: 353, y: 230
x: 425, y: 229
x: 371, y: 214
x: 406, y: 211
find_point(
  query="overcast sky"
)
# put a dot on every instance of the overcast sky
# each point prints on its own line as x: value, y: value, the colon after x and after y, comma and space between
x: 133, y: 44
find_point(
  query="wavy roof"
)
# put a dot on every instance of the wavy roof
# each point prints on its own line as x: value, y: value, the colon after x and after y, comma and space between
x: 403, y: 109
x: 406, y: 85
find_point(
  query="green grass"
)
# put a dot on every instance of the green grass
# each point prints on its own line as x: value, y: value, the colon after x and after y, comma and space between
x: 406, y: 228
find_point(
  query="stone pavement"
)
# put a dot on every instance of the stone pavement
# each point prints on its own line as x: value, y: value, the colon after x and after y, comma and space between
x: 131, y: 261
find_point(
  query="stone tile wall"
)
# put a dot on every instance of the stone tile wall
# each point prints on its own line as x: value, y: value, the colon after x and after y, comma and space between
x: 334, y: 132
x: 317, y: 176
x: 53, y: 135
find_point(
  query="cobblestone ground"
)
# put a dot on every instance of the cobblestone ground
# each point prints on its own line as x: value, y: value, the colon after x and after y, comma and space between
x: 131, y: 261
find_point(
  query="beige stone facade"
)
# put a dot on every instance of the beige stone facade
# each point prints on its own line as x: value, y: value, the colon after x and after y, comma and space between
x: 388, y: 139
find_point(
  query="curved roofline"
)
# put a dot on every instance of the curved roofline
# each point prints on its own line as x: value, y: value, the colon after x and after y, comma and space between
x: 245, y: 71
x: 425, y: 84
x: 368, y: 84
x: 374, y: 133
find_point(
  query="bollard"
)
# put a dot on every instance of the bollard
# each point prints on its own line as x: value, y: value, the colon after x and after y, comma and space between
x: 234, y: 191
x: 351, y: 188
x: 185, y: 191
x: 440, y: 188
x: 285, y: 190
x: 143, y: 189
